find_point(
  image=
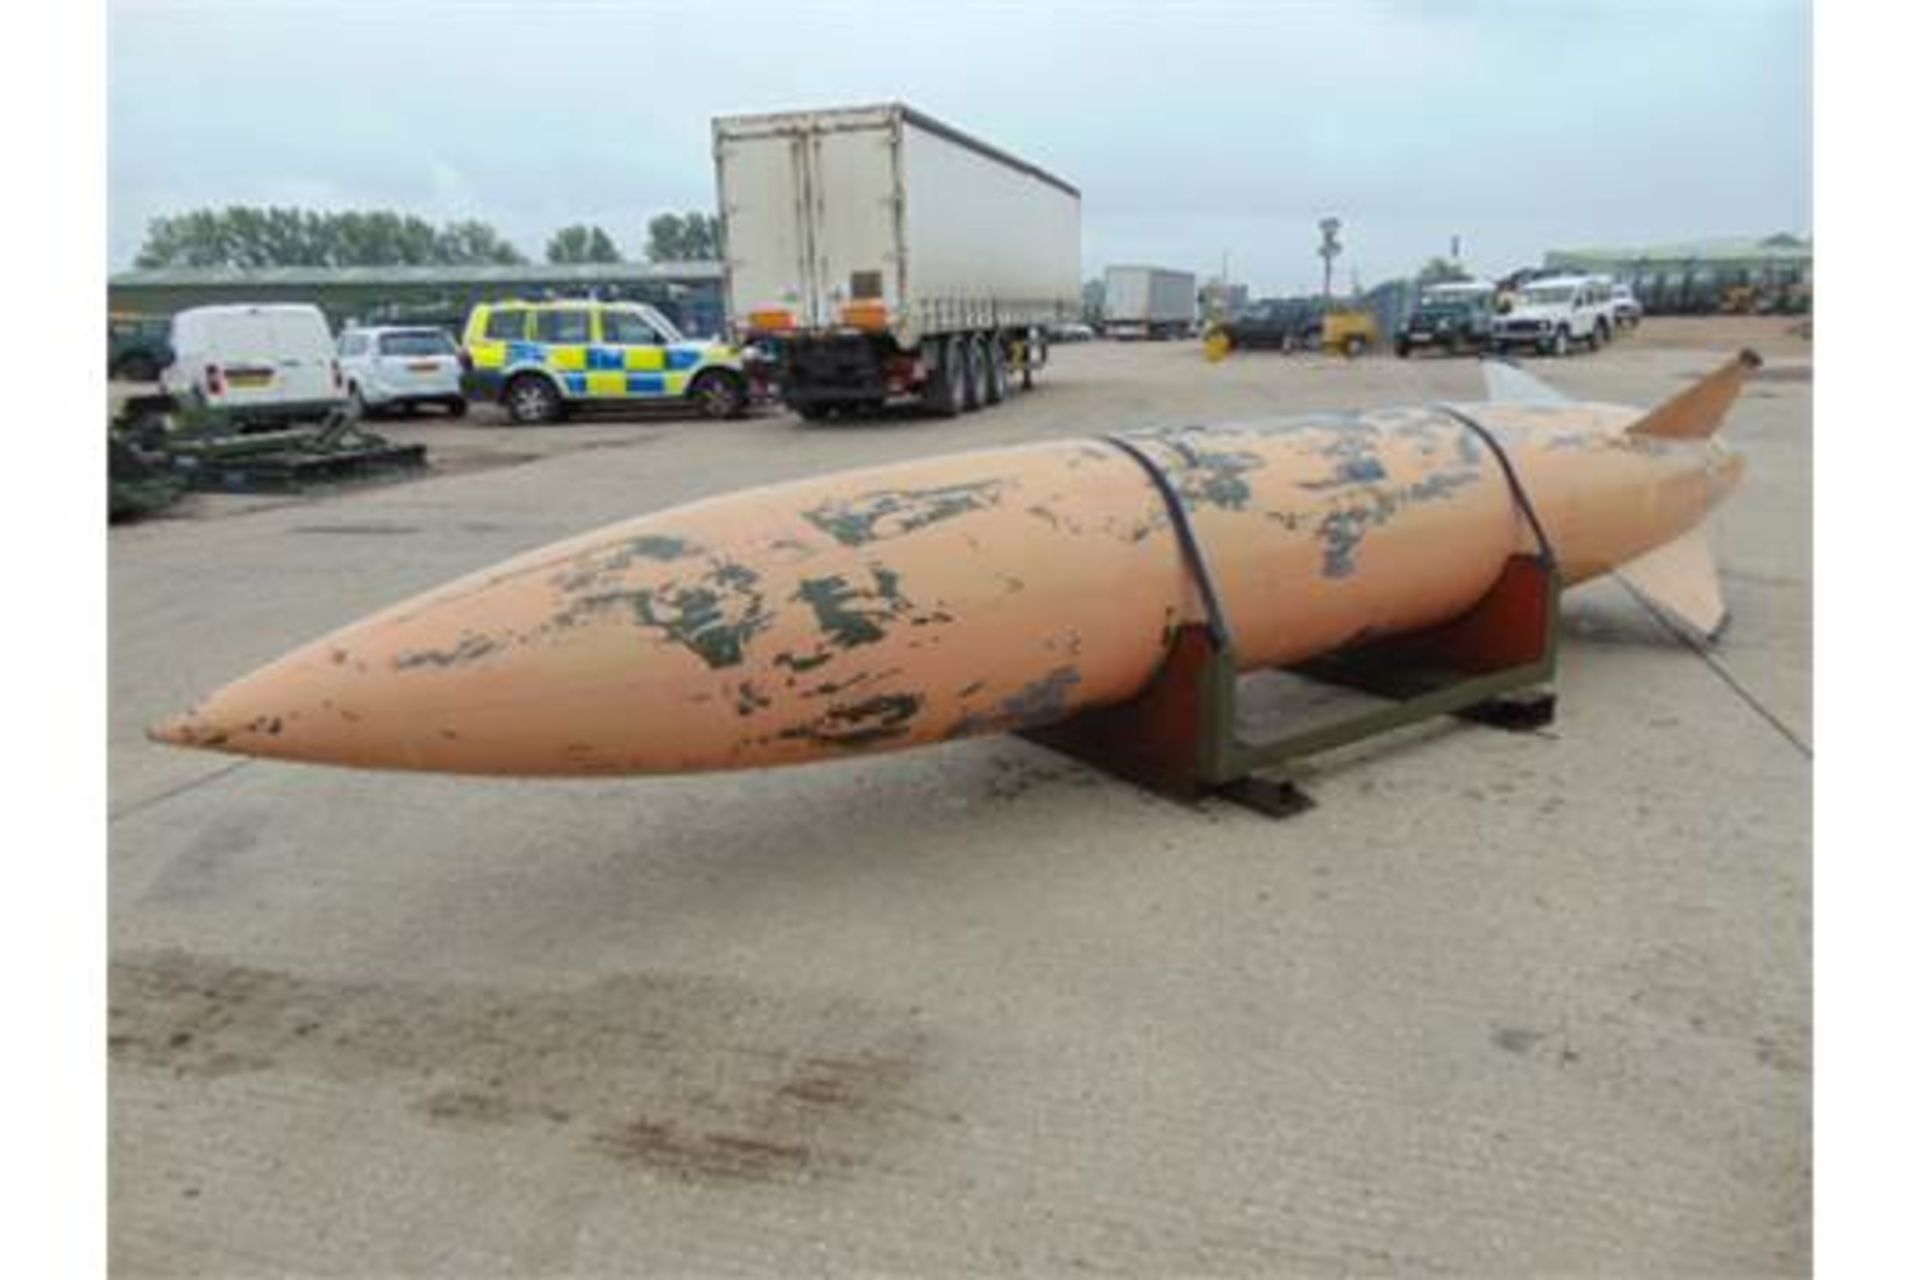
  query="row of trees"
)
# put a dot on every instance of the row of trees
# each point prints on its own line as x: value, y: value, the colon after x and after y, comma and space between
x: 247, y: 236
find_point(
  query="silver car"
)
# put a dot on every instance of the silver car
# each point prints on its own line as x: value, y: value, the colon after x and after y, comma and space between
x: 398, y: 369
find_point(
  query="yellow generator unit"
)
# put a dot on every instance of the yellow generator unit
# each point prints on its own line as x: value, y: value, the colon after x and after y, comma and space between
x: 1349, y: 332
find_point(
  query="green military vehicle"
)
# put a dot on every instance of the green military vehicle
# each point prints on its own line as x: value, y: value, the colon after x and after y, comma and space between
x: 138, y: 346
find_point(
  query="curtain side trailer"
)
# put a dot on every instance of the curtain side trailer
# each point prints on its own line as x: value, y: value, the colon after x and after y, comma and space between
x: 1149, y: 302
x: 886, y: 257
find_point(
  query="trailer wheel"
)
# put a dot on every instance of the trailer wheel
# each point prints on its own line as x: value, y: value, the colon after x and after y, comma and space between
x: 993, y: 371
x: 946, y: 391
x: 1354, y: 346
x: 973, y: 357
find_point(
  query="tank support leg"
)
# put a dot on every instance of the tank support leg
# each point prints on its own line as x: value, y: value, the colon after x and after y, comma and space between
x: 1180, y: 737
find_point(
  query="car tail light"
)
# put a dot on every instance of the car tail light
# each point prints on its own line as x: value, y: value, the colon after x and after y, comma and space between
x: 216, y: 381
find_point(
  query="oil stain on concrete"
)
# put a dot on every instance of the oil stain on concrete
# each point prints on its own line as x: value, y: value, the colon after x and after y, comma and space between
x: 696, y: 1078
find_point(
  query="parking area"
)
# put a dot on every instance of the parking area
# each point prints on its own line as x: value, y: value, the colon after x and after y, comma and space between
x: 1500, y: 1004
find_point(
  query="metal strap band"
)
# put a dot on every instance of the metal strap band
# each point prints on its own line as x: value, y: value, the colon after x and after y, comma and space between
x: 1217, y: 629
x: 1513, y: 480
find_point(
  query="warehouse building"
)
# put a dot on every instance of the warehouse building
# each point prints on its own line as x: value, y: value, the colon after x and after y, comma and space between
x: 689, y: 293
x: 1770, y: 274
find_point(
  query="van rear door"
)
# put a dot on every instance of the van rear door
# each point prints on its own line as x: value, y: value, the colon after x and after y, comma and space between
x: 302, y: 350
x: 238, y: 351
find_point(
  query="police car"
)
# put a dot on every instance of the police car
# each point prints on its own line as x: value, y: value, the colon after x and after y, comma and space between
x: 539, y: 359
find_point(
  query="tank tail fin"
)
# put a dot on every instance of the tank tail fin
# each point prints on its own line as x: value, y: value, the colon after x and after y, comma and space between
x: 1697, y: 412
x: 1681, y: 580
x: 1508, y: 383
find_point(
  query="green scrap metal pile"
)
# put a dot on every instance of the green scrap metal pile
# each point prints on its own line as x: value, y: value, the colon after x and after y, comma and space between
x: 157, y: 451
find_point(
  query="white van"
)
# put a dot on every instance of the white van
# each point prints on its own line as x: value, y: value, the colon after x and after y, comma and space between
x: 265, y: 363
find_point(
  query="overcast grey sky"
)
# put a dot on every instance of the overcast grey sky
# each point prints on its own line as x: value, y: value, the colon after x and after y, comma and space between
x: 1192, y: 129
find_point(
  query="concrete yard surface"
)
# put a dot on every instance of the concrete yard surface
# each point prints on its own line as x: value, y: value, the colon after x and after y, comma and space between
x: 1501, y: 1004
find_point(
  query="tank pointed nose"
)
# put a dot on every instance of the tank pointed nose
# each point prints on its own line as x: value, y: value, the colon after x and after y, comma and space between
x: 257, y: 715
x: 185, y: 730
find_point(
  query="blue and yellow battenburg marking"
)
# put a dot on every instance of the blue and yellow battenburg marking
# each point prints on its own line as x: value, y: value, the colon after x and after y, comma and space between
x: 594, y: 369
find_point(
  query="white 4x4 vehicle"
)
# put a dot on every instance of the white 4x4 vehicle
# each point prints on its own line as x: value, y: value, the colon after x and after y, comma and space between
x: 1551, y: 315
x: 1626, y: 308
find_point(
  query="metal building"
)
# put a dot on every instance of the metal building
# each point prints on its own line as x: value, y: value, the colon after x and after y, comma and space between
x: 1770, y: 274
x: 688, y: 292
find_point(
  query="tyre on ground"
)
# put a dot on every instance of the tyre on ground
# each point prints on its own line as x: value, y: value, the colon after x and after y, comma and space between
x: 719, y: 394
x: 531, y: 400
x: 993, y: 372
x: 975, y: 357
x: 945, y: 391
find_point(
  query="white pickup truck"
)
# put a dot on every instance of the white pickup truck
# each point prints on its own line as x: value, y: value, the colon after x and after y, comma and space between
x: 1551, y: 315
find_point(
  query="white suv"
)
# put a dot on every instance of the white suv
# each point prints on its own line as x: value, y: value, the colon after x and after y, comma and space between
x: 401, y: 368
x: 1626, y: 308
x: 1551, y: 315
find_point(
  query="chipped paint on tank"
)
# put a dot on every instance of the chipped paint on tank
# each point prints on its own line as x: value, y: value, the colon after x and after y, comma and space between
x: 889, y: 513
x: 748, y: 699
x: 470, y: 648
x: 715, y: 617
x: 1364, y: 469
x: 859, y: 724
x: 1039, y: 702
x: 1340, y: 534
x: 1209, y: 476
x: 850, y: 616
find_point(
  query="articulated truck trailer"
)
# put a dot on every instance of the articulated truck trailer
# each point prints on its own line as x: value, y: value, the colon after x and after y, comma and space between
x: 1149, y: 302
x: 887, y: 257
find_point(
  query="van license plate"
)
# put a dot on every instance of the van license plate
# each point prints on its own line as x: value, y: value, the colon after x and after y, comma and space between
x: 249, y: 377
x: 424, y: 366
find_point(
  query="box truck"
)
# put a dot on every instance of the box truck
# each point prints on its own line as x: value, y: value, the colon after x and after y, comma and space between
x: 1149, y: 302
x: 883, y: 256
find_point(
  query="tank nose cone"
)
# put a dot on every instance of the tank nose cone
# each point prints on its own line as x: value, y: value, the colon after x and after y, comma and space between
x: 257, y: 715
x: 184, y: 730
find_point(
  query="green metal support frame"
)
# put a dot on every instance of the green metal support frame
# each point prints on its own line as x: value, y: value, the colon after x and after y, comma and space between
x: 1181, y: 737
